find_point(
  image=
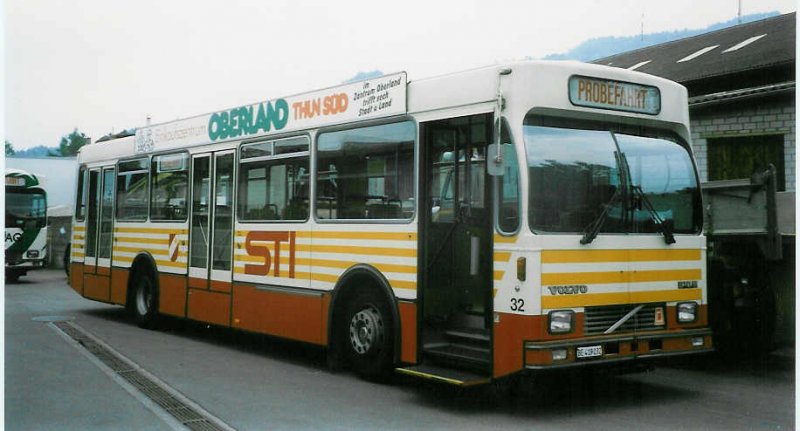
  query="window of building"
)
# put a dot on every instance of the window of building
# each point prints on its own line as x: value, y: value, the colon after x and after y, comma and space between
x: 366, y: 173
x: 170, y: 174
x: 132, y: 182
x: 741, y: 157
x: 273, y: 180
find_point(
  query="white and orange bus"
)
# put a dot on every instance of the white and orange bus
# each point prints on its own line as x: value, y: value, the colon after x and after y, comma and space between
x: 466, y: 227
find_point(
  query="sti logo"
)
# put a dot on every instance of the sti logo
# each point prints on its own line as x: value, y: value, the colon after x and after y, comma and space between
x: 255, y: 245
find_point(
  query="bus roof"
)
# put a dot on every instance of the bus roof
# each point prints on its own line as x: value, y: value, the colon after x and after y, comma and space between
x: 527, y: 84
x: 21, y: 178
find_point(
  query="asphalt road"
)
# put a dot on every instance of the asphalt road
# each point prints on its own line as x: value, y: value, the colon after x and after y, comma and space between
x: 254, y: 383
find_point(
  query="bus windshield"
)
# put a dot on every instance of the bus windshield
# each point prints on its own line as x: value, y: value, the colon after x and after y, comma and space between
x: 23, y: 207
x: 616, y: 180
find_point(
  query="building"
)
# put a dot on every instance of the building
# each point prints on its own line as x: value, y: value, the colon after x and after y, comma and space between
x: 741, y: 83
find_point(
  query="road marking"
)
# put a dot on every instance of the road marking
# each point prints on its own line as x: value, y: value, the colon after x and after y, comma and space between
x: 178, y: 411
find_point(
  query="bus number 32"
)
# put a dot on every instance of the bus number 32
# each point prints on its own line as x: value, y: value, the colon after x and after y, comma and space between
x: 517, y: 304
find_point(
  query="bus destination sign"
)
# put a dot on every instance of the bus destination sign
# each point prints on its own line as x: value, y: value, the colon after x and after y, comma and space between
x: 615, y: 95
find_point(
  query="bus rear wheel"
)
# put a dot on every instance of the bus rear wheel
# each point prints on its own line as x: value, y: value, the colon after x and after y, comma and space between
x: 368, y: 335
x: 145, y: 301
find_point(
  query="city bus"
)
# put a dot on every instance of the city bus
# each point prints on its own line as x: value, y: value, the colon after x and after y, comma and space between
x: 26, y: 223
x: 463, y: 228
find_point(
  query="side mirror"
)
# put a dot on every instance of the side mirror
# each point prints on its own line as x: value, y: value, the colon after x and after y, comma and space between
x: 494, y: 160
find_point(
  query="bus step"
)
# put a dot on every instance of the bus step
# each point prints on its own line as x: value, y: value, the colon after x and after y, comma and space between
x: 475, y: 337
x: 444, y: 375
x: 459, y: 355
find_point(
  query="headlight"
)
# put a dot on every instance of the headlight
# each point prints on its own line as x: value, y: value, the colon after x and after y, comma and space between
x: 560, y: 322
x: 687, y: 312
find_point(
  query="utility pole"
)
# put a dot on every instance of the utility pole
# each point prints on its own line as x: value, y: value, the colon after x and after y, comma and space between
x: 642, y: 29
x: 740, y: 12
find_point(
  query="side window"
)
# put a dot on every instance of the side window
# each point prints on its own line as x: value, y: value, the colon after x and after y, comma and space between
x: 273, y: 180
x: 80, y: 202
x: 170, y: 174
x: 132, y: 182
x: 366, y: 173
x: 508, y: 189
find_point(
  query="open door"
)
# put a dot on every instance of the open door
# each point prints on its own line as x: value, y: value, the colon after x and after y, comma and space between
x: 457, y: 243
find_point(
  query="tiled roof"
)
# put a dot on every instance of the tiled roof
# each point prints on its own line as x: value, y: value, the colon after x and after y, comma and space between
x: 756, y: 45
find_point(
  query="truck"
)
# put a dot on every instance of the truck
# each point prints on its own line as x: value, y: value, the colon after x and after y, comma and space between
x: 750, y: 228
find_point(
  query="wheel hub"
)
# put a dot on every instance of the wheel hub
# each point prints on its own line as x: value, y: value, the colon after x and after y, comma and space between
x: 366, y: 330
x: 144, y: 299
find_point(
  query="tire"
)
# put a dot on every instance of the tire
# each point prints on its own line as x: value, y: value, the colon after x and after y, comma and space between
x: 367, y: 335
x: 12, y: 276
x: 765, y: 319
x: 144, y: 301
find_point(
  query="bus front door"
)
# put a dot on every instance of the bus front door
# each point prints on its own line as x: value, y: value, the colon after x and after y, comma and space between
x: 456, y: 232
x: 211, y: 238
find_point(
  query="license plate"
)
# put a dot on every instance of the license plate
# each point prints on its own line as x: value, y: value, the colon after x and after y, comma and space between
x: 589, y: 352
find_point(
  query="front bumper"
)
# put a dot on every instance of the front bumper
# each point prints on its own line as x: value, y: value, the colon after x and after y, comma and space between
x: 618, y: 348
x: 27, y: 264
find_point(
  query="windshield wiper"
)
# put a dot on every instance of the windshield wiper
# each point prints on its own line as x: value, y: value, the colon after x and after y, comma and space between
x: 668, y: 237
x: 593, y: 228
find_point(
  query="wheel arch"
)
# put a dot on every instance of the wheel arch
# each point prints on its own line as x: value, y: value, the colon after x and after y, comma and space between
x: 347, y: 284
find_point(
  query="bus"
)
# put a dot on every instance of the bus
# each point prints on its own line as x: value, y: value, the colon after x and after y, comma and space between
x: 463, y: 228
x: 26, y: 223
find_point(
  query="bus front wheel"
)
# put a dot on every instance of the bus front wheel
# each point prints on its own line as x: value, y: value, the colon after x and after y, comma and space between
x: 368, y: 337
x: 145, y: 301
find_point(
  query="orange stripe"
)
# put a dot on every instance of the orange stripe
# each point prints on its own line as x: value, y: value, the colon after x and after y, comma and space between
x: 172, y: 294
x: 378, y: 236
x: 502, y: 256
x: 408, y: 328
x: 385, y: 251
x: 385, y: 236
x: 591, y: 299
x: 396, y: 284
x: 505, y: 239
x: 555, y: 279
x: 585, y: 256
x: 150, y: 230
x: 299, y: 317
x: 342, y: 264
x: 221, y: 286
x: 210, y: 307
x: 142, y: 240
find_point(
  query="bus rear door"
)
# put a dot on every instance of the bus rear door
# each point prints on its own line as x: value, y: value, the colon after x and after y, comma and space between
x: 99, y: 233
x: 211, y: 237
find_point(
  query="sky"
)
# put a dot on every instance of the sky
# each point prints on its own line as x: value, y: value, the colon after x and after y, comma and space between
x: 106, y: 65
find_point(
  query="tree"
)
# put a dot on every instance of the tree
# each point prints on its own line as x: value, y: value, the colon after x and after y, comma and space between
x: 10, y: 149
x: 70, y: 144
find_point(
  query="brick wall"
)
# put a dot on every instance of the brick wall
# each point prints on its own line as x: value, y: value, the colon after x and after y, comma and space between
x: 745, y: 119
